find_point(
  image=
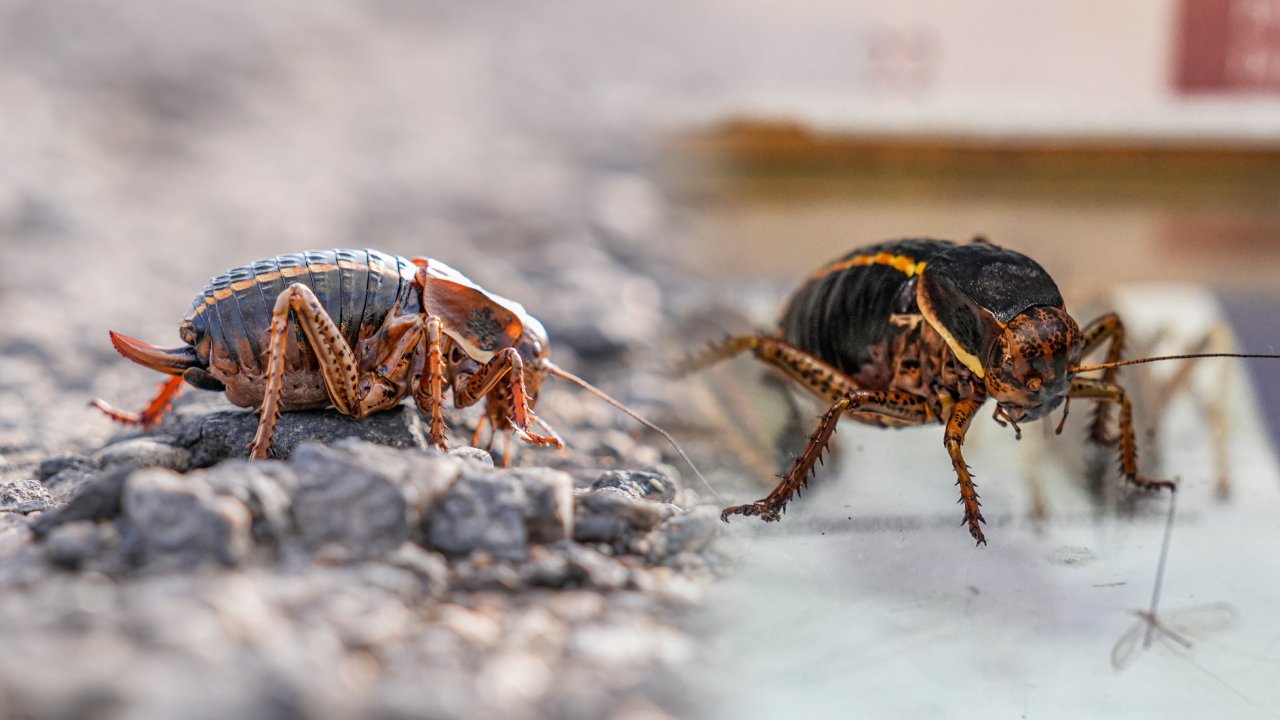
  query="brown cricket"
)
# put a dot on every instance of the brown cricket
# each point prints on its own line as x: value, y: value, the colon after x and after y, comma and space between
x: 358, y: 330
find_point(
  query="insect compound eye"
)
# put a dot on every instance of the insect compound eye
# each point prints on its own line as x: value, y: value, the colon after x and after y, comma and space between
x: 455, y: 355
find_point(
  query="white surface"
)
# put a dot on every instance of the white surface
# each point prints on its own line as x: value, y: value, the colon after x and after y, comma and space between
x: 870, y: 600
x: 988, y: 68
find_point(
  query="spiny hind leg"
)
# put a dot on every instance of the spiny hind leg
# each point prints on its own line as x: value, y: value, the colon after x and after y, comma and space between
x: 337, y: 361
x: 895, y: 404
x: 1105, y: 329
x: 718, y: 352
x: 150, y: 416
x: 1094, y: 389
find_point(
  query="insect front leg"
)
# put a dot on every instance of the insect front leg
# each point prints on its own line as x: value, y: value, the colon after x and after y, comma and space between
x: 506, y: 365
x: 893, y: 404
x: 337, y: 361
x: 1107, y: 328
x: 1094, y: 389
x: 957, y: 426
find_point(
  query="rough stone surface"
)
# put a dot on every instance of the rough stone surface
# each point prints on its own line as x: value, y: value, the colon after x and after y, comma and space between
x: 155, y: 451
x: 214, y: 436
x: 641, y: 484
x: 691, y: 531
x: 24, y: 495
x: 482, y: 511
x: 177, y: 522
x: 264, y: 487
x: 611, y: 514
x: 72, y: 544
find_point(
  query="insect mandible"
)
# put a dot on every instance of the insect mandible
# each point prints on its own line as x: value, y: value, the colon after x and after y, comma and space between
x: 358, y: 330
x: 920, y: 331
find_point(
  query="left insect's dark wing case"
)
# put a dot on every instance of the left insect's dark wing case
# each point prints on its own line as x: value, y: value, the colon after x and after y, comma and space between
x: 970, y: 292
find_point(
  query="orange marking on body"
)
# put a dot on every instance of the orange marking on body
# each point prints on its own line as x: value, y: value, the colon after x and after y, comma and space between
x: 291, y: 272
x: 322, y: 267
x: 904, y: 264
x: 222, y: 294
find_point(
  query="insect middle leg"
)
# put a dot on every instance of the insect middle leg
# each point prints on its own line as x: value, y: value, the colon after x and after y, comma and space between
x: 824, y: 381
x: 1095, y: 389
x: 893, y: 404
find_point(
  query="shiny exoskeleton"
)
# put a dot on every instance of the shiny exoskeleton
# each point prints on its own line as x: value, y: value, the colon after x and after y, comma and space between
x: 922, y: 331
x: 358, y: 330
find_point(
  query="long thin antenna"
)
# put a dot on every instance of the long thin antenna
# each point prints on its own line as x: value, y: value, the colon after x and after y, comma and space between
x: 562, y: 373
x: 1164, y: 557
x: 1193, y: 356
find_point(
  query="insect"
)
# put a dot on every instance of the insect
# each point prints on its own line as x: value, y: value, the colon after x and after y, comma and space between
x: 919, y: 331
x: 358, y: 330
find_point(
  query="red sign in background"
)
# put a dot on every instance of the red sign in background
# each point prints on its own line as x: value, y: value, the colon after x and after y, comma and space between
x: 1228, y: 46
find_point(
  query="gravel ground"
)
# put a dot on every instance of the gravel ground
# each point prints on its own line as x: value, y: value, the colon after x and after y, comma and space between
x: 152, y: 145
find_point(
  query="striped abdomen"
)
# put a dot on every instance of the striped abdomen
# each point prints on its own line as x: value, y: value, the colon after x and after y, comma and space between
x: 842, y: 314
x: 229, y: 321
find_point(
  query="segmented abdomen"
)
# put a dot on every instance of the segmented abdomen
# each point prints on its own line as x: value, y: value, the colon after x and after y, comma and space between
x: 841, y: 314
x: 357, y: 288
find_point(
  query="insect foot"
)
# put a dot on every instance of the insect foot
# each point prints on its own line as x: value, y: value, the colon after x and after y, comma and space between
x: 763, y: 510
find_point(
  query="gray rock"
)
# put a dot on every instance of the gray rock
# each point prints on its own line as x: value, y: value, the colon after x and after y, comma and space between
x: 474, y: 454
x: 482, y: 511
x: 614, y: 515
x: 688, y: 532
x: 589, y: 567
x: 174, y: 521
x: 60, y: 463
x: 72, y: 544
x: 24, y: 495
x: 218, y: 435
x: 643, y: 484
x: 264, y: 487
x: 362, y: 498
x: 71, y: 480
x: 548, y: 510
x: 431, y: 567
x: 99, y: 499
x: 152, y: 451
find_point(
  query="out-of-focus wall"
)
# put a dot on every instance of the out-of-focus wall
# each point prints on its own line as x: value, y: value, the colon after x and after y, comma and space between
x: 1168, y: 69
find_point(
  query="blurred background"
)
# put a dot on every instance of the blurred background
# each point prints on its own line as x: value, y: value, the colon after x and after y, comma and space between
x: 688, y: 161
